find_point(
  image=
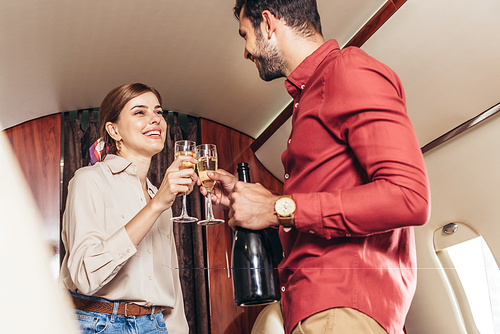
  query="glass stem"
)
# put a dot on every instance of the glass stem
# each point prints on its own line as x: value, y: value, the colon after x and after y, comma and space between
x: 210, y: 214
x: 183, y: 211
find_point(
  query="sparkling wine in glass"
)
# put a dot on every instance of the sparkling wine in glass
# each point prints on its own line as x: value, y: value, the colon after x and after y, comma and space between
x: 206, y: 154
x: 185, y: 147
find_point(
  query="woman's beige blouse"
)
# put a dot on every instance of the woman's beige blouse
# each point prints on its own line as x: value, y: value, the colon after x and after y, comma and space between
x: 101, y: 260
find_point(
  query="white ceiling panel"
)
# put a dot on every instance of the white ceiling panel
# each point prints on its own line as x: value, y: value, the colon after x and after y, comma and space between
x: 58, y: 55
x: 447, y: 57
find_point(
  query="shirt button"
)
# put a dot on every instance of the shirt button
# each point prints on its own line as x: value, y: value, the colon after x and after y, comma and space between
x: 311, y: 231
x: 283, y: 288
x: 302, y: 87
x: 123, y: 216
x: 296, y: 105
x: 348, y: 235
x: 149, y: 251
x: 150, y: 277
x: 287, y: 176
x: 128, y: 250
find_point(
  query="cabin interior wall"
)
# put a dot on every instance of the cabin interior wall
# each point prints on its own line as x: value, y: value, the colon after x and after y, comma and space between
x: 465, y: 187
x: 37, y: 146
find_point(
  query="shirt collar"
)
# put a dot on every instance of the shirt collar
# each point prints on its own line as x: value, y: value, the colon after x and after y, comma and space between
x: 116, y: 164
x: 298, y: 79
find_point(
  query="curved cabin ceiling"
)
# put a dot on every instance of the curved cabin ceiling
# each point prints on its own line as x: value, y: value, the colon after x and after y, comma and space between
x: 58, y: 55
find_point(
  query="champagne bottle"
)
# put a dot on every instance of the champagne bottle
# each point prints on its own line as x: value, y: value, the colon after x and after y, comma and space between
x: 253, y: 264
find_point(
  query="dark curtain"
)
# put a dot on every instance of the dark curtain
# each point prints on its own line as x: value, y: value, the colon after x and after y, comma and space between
x: 76, y: 144
x: 189, y: 237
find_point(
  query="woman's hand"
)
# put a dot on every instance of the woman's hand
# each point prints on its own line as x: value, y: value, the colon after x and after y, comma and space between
x: 176, y: 182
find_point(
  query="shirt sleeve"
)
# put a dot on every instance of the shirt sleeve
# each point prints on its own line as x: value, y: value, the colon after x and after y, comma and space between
x: 365, y: 108
x: 95, y: 255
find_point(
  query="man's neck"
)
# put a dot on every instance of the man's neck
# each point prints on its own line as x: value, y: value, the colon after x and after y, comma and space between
x: 295, y: 49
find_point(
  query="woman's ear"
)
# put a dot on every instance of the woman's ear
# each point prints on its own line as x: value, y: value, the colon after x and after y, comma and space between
x: 269, y: 23
x: 112, y: 130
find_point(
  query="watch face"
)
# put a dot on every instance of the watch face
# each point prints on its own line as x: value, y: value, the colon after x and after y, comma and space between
x: 285, y: 206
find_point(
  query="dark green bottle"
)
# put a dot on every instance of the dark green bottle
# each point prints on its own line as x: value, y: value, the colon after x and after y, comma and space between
x: 253, y: 264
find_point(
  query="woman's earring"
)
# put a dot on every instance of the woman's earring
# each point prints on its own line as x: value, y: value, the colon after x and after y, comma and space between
x: 118, y: 146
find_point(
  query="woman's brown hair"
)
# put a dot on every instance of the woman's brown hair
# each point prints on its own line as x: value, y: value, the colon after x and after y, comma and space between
x: 113, y: 104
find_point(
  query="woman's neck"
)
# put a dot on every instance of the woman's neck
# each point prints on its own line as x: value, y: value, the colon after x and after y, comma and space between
x: 142, y: 163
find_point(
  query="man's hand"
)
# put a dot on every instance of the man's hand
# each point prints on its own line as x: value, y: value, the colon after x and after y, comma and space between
x: 224, y: 185
x: 252, y: 206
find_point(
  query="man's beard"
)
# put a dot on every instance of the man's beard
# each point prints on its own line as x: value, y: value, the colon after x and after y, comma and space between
x: 270, y: 60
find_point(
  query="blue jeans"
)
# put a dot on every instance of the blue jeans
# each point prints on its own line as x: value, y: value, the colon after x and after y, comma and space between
x: 94, y: 322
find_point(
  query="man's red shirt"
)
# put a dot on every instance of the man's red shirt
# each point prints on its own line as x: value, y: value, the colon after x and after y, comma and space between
x: 357, y: 175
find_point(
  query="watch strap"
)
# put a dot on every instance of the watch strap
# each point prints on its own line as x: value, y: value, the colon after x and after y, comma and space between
x: 287, y: 221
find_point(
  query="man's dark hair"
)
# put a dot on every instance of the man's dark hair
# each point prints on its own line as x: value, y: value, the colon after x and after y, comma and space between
x: 301, y: 15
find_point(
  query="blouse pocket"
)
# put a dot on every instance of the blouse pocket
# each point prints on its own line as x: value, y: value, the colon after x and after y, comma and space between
x: 166, y: 246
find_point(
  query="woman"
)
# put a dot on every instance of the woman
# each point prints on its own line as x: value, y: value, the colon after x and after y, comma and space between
x: 120, y: 252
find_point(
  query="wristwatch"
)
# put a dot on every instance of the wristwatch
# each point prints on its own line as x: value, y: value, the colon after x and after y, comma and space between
x: 284, y: 208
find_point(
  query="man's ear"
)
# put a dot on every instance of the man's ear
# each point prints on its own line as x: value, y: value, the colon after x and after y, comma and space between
x: 113, y: 131
x: 270, y: 22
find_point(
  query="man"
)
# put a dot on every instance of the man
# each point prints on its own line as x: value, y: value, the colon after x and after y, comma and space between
x: 355, y: 177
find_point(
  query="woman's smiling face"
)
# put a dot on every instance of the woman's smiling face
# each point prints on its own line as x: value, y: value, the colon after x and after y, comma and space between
x: 140, y: 127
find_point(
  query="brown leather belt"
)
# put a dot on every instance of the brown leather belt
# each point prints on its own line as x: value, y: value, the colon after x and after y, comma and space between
x: 103, y: 307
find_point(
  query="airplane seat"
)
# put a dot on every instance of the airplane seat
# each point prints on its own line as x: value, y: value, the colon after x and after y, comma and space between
x: 269, y: 320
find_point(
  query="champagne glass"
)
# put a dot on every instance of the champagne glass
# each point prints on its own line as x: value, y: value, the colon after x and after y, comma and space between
x: 206, y: 154
x: 185, y: 147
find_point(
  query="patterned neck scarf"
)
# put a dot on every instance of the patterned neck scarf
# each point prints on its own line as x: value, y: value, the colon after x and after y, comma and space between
x: 96, y: 151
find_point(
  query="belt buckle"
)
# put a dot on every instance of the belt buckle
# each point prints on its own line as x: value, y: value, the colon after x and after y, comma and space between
x: 126, y: 309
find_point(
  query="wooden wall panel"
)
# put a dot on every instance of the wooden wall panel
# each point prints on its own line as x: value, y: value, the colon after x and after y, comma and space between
x: 37, y: 145
x: 233, y: 147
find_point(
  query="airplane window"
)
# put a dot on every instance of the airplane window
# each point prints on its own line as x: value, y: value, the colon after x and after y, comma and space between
x: 480, y: 277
